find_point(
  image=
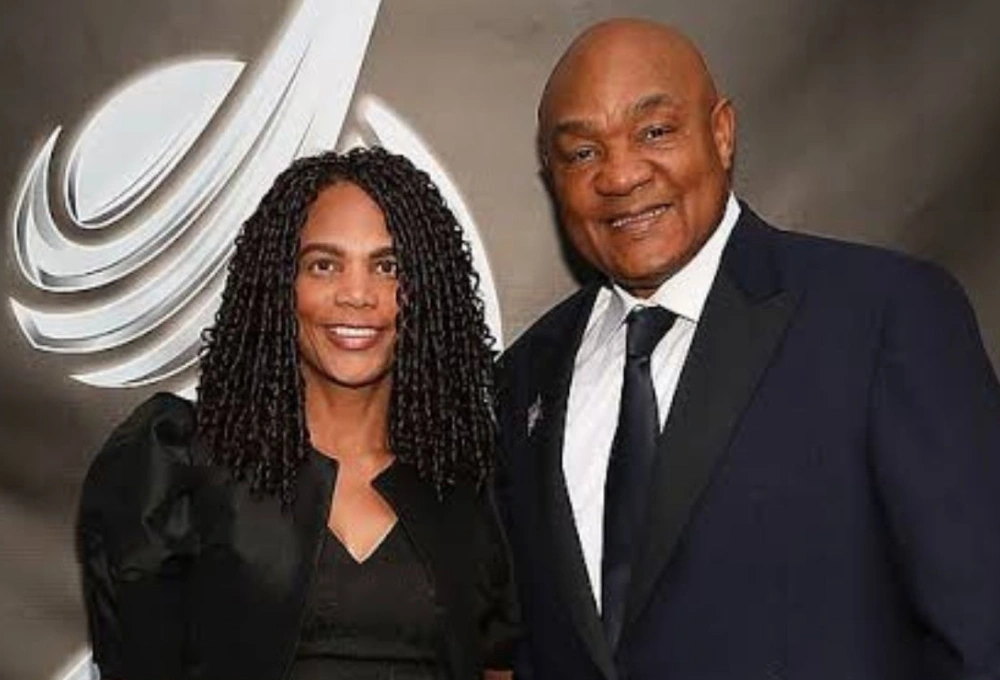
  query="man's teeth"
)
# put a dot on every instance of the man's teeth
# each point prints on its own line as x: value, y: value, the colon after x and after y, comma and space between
x: 353, y: 331
x: 638, y: 217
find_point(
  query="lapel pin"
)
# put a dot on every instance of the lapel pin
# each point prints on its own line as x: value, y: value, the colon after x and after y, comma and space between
x: 534, y: 414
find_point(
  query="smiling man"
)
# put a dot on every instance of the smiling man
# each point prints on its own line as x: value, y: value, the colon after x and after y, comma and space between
x: 638, y: 147
x: 745, y: 453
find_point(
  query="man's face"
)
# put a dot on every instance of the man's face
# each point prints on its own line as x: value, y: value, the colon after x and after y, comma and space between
x: 638, y: 155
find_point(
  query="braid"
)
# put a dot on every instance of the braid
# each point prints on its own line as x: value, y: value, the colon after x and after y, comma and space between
x: 251, y: 410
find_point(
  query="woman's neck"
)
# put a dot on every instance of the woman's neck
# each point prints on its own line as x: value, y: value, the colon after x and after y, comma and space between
x: 350, y: 424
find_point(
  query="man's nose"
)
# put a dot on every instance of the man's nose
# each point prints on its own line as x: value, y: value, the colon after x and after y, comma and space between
x: 622, y: 172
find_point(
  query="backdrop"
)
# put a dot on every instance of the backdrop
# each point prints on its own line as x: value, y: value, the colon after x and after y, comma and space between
x: 135, y: 135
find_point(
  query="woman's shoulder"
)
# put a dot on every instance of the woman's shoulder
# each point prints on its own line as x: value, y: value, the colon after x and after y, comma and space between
x: 159, y: 430
x: 148, y: 462
x: 163, y: 416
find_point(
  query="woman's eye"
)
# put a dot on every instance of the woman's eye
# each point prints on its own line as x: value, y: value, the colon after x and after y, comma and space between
x: 387, y: 267
x: 321, y: 266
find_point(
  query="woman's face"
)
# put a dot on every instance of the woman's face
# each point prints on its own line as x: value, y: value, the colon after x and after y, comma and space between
x: 345, y: 290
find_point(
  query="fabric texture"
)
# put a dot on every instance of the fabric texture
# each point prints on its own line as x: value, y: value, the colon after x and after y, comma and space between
x: 631, y: 460
x: 187, y: 575
x: 370, y: 619
x: 595, y: 391
x: 826, y: 500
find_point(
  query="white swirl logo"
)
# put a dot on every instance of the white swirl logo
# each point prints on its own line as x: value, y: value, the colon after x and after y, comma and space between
x: 130, y: 262
x: 160, y: 178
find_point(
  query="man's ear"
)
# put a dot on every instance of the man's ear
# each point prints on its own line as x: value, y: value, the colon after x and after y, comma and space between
x: 724, y: 132
x: 542, y: 156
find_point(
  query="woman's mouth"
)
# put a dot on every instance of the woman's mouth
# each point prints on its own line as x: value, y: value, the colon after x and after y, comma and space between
x: 353, y: 338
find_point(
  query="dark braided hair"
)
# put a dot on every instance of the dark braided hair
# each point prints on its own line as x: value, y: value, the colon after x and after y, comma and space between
x: 251, y: 411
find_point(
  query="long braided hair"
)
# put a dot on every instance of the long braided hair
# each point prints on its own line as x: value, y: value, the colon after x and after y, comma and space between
x: 250, y: 409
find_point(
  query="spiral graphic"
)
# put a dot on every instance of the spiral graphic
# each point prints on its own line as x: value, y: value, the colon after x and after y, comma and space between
x: 160, y: 177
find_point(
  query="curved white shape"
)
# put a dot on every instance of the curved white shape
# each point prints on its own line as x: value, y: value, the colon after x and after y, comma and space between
x: 394, y: 134
x: 276, y: 118
x: 135, y: 139
x: 307, y: 72
x: 53, y: 261
x: 132, y: 315
x: 79, y: 667
x: 169, y: 357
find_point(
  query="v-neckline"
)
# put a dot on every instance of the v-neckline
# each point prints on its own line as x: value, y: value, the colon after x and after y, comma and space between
x: 362, y: 560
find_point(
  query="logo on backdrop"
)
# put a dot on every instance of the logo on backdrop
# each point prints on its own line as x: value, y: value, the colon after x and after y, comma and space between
x: 129, y: 263
x: 128, y: 257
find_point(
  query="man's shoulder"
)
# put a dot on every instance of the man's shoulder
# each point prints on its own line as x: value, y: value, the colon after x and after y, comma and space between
x: 554, y: 325
x: 813, y: 260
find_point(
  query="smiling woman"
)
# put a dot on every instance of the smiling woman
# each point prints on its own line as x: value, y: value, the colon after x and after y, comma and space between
x: 323, y: 509
x: 345, y: 290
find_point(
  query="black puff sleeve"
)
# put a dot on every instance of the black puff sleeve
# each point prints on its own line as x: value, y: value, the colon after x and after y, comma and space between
x: 136, y: 541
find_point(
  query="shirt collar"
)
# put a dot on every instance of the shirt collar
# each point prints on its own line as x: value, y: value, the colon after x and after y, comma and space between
x: 685, y: 292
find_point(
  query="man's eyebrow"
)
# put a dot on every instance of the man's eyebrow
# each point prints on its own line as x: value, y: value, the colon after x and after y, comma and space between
x: 573, y: 126
x: 584, y: 128
x: 651, y: 101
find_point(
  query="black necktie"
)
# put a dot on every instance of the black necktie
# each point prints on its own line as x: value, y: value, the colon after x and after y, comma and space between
x: 632, y: 455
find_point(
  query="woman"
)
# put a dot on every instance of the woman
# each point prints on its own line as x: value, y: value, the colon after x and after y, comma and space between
x: 322, y: 510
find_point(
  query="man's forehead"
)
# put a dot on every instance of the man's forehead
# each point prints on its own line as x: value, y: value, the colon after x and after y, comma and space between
x: 583, y: 117
x: 613, y: 92
x: 621, y: 61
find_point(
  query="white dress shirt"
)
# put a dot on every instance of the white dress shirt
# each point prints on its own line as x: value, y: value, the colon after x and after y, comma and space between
x: 595, y: 392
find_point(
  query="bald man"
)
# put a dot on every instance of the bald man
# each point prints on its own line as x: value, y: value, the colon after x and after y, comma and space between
x: 742, y: 453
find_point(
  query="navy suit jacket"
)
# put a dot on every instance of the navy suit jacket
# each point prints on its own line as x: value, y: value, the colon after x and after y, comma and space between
x: 826, y: 499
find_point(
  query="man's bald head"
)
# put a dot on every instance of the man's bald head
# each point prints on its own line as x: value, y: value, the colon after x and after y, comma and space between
x: 603, y: 45
x: 637, y: 148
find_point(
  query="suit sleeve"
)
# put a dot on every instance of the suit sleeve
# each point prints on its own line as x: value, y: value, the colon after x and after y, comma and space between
x: 935, y: 442
x: 135, y: 542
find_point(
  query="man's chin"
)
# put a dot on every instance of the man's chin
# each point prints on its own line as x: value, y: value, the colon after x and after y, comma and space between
x: 641, y: 286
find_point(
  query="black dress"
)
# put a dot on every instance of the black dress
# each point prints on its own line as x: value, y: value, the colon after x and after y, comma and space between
x: 369, y: 620
x: 189, y: 575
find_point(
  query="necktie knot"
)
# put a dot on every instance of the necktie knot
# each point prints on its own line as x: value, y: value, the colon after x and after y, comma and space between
x: 646, y: 326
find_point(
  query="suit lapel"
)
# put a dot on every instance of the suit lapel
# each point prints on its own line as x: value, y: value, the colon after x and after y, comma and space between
x: 743, y: 321
x: 555, y: 357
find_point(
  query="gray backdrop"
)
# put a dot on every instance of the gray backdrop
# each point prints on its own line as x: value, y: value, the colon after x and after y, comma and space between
x: 872, y: 121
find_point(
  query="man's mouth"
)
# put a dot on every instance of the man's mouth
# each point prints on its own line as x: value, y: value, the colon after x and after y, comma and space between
x: 634, y: 218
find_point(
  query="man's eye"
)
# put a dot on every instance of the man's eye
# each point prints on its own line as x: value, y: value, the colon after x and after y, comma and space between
x: 573, y: 154
x: 582, y: 154
x: 656, y: 132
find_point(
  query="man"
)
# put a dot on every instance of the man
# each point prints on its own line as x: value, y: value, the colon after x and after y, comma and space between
x: 794, y: 472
